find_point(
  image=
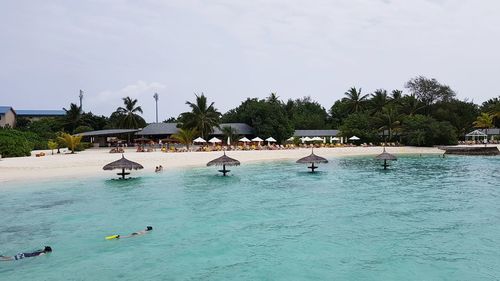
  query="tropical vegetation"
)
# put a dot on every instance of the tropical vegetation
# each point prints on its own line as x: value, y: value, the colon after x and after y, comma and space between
x: 426, y: 113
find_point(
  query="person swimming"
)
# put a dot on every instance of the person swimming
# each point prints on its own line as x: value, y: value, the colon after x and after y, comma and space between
x: 20, y: 256
x: 133, y: 234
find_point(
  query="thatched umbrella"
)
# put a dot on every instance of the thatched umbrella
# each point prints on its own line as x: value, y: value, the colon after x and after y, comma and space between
x: 123, y: 164
x: 223, y: 161
x: 312, y: 159
x: 386, y: 156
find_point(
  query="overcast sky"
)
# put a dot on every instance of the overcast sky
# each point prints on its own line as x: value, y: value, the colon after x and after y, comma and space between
x: 231, y: 50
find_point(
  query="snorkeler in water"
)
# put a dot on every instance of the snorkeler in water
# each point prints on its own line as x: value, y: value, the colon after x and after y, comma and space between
x: 133, y: 234
x: 20, y: 256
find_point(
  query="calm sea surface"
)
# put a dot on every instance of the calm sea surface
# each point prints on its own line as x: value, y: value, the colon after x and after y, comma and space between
x: 425, y: 219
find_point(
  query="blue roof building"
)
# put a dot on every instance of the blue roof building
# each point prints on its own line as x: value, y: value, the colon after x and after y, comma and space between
x: 40, y: 113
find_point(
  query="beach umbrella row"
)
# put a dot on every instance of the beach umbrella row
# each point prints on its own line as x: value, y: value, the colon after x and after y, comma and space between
x: 224, y: 160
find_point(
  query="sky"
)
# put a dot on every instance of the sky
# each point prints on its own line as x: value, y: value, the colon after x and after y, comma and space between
x: 231, y: 49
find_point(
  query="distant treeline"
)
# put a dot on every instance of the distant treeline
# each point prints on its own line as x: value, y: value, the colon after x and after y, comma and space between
x: 429, y: 114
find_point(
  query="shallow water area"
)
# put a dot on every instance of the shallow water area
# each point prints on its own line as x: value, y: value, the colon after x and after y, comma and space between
x: 426, y: 218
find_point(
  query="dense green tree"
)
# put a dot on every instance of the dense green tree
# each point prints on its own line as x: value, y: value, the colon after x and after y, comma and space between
x: 306, y: 114
x: 338, y: 112
x: 492, y: 107
x: 82, y: 129
x: 267, y: 116
x: 202, y: 117
x: 355, y: 99
x: 127, y: 117
x: 94, y: 121
x: 362, y: 125
x: 429, y: 91
x: 459, y: 113
x: 421, y: 130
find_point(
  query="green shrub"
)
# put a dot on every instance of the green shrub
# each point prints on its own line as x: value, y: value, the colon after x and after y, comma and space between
x: 82, y: 129
x: 83, y: 145
x: 14, y: 143
x: 420, y: 130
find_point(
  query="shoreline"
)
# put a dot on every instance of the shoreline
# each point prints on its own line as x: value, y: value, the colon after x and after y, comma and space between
x: 89, y: 163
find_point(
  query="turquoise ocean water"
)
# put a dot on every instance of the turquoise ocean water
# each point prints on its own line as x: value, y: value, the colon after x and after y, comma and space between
x: 425, y: 219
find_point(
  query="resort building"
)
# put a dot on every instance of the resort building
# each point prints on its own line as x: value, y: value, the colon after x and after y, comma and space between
x: 107, y: 137
x: 158, y: 130
x: 166, y: 130
x: 241, y: 129
x: 34, y: 115
x: 7, y: 116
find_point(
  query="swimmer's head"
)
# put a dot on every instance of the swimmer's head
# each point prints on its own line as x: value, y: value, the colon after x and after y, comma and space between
x: 149, y: 228
x: 47, y: 249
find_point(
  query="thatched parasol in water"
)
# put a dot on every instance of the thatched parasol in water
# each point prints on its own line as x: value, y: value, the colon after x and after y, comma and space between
x: 386, y: 156
x: 123, y: 164
x: 312, y: 159
x: 223, y: 161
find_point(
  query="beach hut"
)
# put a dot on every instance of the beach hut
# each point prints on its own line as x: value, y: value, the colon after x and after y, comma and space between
x: 123, y: 164
x: 224, y: 161
x: 386, y: 157
x: 270, y: 140
x: 312, y: 159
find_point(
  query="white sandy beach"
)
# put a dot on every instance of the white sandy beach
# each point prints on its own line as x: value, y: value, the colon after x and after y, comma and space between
x: 89, y: 163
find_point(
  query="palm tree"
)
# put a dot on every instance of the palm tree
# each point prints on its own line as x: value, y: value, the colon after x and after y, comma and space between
x: 185, y: 136
x: 127, y: 116
x: 71, y: 141
x: 273, y: 98
x: 379, y: 100
x: 202, y: 118
x: 230, y: 132
x: 410, y: 105
x: 396, y: 96
x: 484, y: 121
x: 389, y: 120
x: 73, y: 116
x: 52, y: 145
x: 355, y: 99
